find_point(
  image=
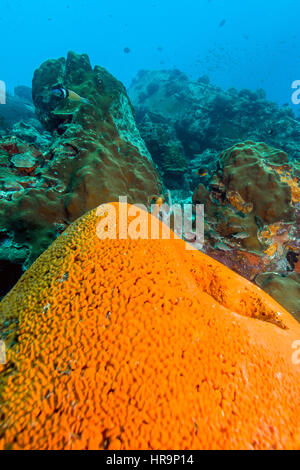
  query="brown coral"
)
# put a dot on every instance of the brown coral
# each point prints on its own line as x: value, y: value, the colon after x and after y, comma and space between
x: 95, y: 155
x: 252, y: 211
x: 250, y: 170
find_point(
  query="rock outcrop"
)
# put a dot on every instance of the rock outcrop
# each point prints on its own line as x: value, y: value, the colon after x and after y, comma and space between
x: 203, y: 120
x: 88, y: 154
x: 252, y: 214
x: 251, y: 192
x: 18, y: 108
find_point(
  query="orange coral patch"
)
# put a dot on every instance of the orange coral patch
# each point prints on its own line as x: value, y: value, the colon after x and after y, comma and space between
x: 140, y: 344
x: 295, y: 187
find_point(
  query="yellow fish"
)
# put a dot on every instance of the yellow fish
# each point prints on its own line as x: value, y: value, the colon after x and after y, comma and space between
x: 201, y: 172
x: 157, y: 200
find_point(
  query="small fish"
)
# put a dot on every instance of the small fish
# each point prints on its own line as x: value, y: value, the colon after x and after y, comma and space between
x: 241, y: 236
x: 127, y: 50
x: 201, y: 172
x: 222, y: 23
x: 157, y: 200
x: 221, y: 246
x: 63, y: 93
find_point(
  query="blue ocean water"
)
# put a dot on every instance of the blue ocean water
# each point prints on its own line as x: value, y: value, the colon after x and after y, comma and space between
x: 249, y: 44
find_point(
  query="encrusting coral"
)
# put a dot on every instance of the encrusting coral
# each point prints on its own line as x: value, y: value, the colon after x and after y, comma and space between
x: 142, y: 344
x: 252, y: 214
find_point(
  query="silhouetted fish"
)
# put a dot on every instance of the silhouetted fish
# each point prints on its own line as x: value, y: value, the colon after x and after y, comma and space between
x: 222, y: 23
x: 201, y: 172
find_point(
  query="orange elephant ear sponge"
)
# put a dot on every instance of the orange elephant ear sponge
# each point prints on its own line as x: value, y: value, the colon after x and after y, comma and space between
x: 141, y: 344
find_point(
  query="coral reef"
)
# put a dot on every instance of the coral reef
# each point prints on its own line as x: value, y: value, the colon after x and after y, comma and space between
x: 251, y: 192
x: 206, y: 119
x: 89, y: 154
x: 252, y: 213
x: 166, y: 150
x: 141, y: 344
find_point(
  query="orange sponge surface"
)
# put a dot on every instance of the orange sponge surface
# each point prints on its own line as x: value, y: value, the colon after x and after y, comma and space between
x: 141, y: 344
